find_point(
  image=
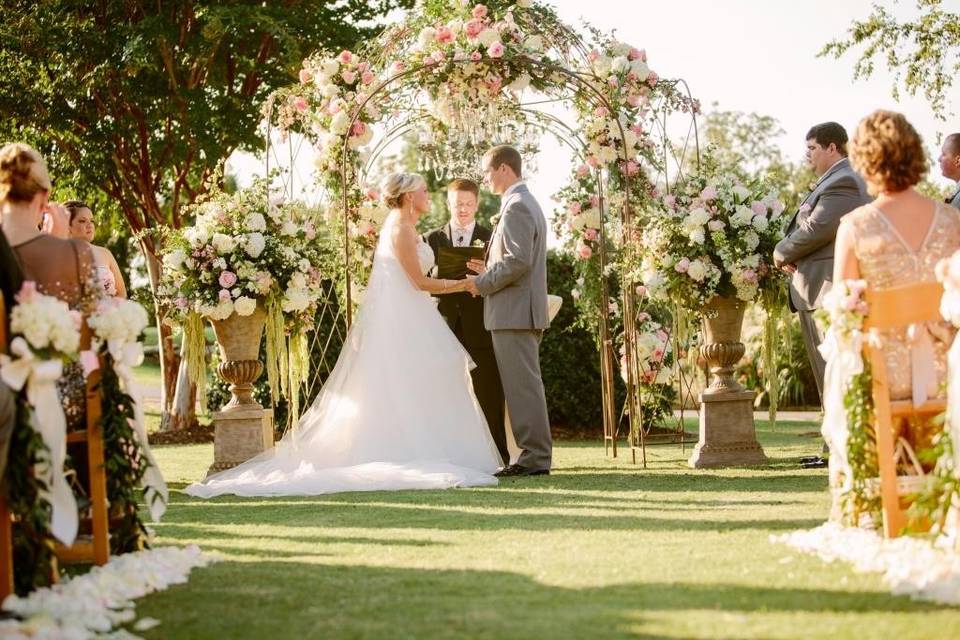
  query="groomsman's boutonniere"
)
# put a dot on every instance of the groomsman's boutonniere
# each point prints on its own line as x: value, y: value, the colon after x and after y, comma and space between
x: 494, y: 219
x: 479, y: 244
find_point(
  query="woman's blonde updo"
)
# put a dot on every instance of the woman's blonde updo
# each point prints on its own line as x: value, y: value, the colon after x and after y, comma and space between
x: 23, y: 173
x: 398, y: 184
x: 888, y: 152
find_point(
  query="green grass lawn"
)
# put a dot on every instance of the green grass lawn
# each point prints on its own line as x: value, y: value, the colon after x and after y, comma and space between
x: 601, y: 549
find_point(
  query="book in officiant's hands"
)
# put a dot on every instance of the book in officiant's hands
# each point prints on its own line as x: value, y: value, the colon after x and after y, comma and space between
x: 452, y: 261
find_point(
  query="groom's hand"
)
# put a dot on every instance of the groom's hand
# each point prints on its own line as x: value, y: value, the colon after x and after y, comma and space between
x: 477, y: 266
x: 472, y: 286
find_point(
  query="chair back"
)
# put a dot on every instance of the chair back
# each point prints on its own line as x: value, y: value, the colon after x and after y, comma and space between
x: 902, y: 306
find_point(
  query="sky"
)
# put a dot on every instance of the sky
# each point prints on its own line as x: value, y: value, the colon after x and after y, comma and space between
x: 745, y: 55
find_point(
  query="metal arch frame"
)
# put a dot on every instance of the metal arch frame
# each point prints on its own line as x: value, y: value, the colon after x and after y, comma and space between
x: 606, y: 340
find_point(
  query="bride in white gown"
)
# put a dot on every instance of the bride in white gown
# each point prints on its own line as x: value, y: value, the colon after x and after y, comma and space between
x: 398, y: 410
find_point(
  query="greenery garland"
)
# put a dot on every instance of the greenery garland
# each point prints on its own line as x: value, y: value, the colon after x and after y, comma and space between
x: 32, y: 542
x: 862, y: 499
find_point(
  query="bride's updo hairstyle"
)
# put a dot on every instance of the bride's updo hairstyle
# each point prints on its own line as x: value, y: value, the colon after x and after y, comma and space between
x: 23, y: 173
x: 398, y: 184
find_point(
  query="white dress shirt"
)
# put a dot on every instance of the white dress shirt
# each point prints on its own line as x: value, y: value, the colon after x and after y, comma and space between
x: 460, y: 236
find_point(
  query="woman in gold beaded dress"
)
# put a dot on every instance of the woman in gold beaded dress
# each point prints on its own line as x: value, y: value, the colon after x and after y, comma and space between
x: 896, y: 240
x: 61, y: 268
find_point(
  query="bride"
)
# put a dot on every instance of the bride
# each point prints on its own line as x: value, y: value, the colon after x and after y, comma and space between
x: 398, y: 410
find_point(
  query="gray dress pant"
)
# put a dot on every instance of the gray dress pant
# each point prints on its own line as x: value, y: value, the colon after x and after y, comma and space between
x: 811, y: 340
x: 518, y: 358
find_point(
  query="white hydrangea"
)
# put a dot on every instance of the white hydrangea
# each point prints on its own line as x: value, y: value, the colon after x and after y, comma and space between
x: 244, y: 306
x: 174, y: 259
x: 45, y: 322
x: 340, y: 123
x: 751, y: 239
x: 697, y: 270
x: 742, y: 217
x: 255, y: 244
x: 255, y: 222
x: 118, y: 320
x: 223, y: 243
x: 760, y: 223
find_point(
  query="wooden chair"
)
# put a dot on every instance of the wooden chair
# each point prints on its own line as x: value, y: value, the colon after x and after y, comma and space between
x: 94, y: 548
x: 893, y: 308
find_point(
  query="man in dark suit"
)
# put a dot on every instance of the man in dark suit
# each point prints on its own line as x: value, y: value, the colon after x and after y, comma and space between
x: 464, y: 313
x: 950, y: 165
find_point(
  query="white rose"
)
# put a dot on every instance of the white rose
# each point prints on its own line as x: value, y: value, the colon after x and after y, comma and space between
x: 741, y: 191
x: 742, y: 216
x: 751, y: 239
x: 244, y: 306
x: 697, y: 270
x: 329, y: 68
x: 255, y: 244
x: 223, y: 243
x: 255, y: 222
x: 426, y: 37
x: 533, y: 43
x: 697, y: 217
x: 697, y: 236
x: 607, y: 155
x: 521, y: 83
x: 295, y: 300
x: 488, y: 36
x: 620, y: 63
x: 640, y: 69
x: 222, y: 311
x: 340, y: 123
x: 601, y: 66
x: 174, y: 259
x: 288, y: 229
x: 630, y: 139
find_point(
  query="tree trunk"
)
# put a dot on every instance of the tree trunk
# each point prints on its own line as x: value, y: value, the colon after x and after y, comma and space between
x: 183, y: 413
x: 169, y: 358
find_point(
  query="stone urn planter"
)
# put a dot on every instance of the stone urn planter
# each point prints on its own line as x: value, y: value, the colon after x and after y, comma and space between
x: 242, y: 428
x: 727, y: 432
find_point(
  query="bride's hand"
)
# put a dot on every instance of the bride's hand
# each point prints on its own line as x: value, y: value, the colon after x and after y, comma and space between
x: 477, y: 266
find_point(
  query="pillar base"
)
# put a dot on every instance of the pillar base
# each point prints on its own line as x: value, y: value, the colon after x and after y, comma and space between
x: 727, y: 433
x: 240, y: 434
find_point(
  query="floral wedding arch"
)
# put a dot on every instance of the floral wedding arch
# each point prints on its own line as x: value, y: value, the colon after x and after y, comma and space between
x: 462, y: 77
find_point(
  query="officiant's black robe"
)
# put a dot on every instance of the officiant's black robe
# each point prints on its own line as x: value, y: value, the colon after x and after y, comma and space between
x: 464, y: 315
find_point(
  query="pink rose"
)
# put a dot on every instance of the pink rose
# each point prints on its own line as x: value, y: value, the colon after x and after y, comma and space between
x: 493, y: 86
x: 345, y: 57
x: 358, y: 128
x: 715, y: 225
x: 397, y: 67
x: 574, y: 208
x: 300, y: 104
x: 613, y: 82
x: 583, y: 171
x: 227, y: 279
x: 367, y: 77
x: 637, y: 54
x: 473, y: 28
x: 28, y: 291
x: 305, y: 76
x: 633, y: 100
x: 593, y: 161
x: 641, y: 290
x: 653, y: 78
x: 632, y: 168
x: 682, y: 265
x: 594, y: 201
x: 310, y: 231
x: 593, y: 55
x: 708, y: 193
x: 372, y: 193
x: 584, y: 252
x: 349, y: 76
x: 476, y: 56
x: 444, y: 35
x: 670, y: 200
x: 495, y: 50
x: 181, y: 303
x: 759, y: 208
x: 637, y: 129
x: 590, y: 234
x: 662, y: 335
x: 479, y: 12
x: 749, y: 275
x: 224, y: 295
x: 643, y: 316
x: 601, y: 112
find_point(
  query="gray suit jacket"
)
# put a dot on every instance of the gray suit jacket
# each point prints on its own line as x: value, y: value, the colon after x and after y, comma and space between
x: 514, y: 286
x: 812, y: 232
x: 954, y: 200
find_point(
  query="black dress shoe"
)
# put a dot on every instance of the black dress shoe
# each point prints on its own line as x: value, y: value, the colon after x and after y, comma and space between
x: 516, y: 471
x: 816, y: 463
x: 809, y: 459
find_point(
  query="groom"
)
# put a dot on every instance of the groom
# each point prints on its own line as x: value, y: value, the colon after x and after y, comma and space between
x: 513, y: 283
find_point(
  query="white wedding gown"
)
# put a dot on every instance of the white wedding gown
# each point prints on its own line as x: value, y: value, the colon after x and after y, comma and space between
x: 397, y: 412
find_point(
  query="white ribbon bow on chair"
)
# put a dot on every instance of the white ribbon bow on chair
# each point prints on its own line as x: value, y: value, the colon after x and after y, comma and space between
x: 127, y: 355
x: 923, y: 374
x: 40, y: 378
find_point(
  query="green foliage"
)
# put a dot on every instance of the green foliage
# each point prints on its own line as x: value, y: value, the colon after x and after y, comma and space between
x: 32, y: 542
x: 795, y: 382
x: 933, y: 505
x: 862, y: 499
x: 923, y: 53
x: 570, y: 358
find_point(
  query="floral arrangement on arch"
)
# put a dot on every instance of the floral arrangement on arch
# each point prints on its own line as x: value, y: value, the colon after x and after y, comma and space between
x: 713, y: 237
x: 245, y: 250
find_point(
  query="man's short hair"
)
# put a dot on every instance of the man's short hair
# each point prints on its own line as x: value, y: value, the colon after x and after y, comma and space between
x: 505, y: 154
x: 952, y: 143
x: 464, y: 184
x: 829, y: 132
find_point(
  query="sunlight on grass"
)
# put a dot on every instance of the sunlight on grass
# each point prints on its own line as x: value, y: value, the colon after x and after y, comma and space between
x: 601, y: 548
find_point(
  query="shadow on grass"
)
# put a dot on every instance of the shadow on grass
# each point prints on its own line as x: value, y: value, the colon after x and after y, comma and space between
x: 301, y: 599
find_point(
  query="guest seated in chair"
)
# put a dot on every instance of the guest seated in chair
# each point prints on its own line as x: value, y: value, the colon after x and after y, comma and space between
x: 896, y: 240
x: 61, y: 268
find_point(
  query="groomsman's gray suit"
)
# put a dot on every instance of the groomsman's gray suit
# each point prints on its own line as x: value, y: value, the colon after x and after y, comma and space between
x: 514, y: 288
x: 954, y: 200
x: 809, y: 245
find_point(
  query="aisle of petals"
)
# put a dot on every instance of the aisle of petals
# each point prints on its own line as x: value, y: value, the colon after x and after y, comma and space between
x: 94, y: 604
x: 910, y: 566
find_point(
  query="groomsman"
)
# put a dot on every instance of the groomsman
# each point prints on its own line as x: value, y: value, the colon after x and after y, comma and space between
x: 464, y: 312
x: 806, y: 252
x: 950, y: 165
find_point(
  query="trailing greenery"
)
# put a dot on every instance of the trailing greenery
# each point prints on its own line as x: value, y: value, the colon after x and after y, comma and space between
x: 124, y: 464
x: 32, y: 542
x: 931, y: 507
x: 863, y: 499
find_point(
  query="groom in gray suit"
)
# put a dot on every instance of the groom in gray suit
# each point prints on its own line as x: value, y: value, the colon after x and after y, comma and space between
x: 513, y: 283
x: 806, y: 252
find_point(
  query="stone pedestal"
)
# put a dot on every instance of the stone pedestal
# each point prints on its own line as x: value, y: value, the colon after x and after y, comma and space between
x: 727, y: 433
x: 239, y: 435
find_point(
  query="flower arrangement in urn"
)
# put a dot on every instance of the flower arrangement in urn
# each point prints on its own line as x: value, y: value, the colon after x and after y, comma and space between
x: 246, y: 251
x: 714, y: 236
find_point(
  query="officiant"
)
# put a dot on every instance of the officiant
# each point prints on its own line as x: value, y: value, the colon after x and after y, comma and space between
x: 463, y: 312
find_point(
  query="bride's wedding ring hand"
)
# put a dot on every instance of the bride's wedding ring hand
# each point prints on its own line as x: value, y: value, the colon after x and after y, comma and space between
x: 471, y: 286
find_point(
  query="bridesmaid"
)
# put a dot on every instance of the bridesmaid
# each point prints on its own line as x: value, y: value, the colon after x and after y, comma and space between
x: 898, y: 239
x: 59, y: 267
x: 82, y: 228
